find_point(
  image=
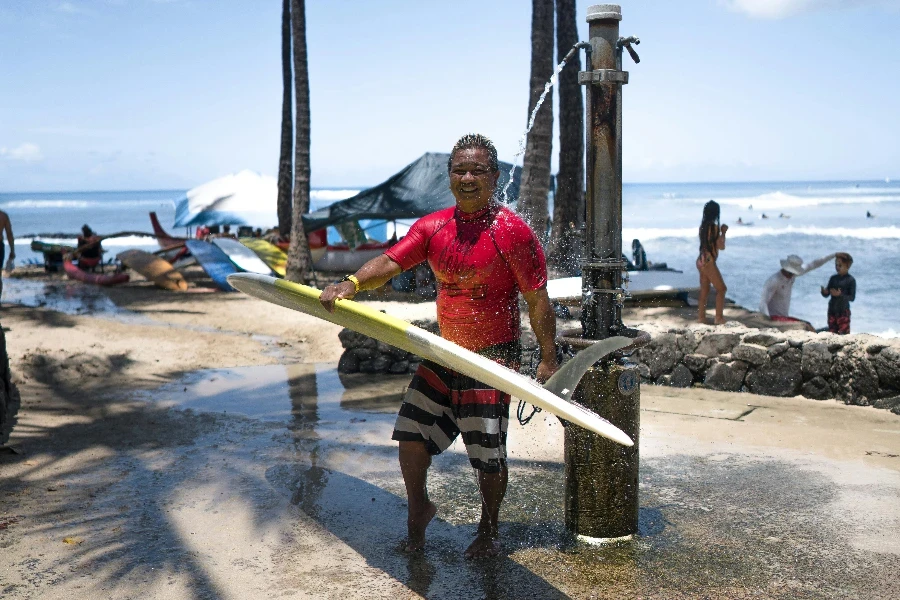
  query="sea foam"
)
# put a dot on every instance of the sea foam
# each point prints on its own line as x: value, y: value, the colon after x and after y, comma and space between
x: 41, y: 203
x: 735, y: 231
x: 777, y: 201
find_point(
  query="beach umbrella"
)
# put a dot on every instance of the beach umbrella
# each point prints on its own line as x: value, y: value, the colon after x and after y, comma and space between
x: 244, y: 198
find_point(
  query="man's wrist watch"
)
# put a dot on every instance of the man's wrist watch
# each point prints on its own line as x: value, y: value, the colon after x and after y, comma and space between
x: 354, y: 281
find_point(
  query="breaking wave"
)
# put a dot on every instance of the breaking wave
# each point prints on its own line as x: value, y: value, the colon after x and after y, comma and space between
x: 39, y: 203
x: 735, y: 231
x: 781, y: 200
x: 129, y: 241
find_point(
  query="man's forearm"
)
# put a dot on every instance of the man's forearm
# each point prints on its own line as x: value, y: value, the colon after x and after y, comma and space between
x: 376, y: 272
x: 543, y: 323
x: 816, y: 264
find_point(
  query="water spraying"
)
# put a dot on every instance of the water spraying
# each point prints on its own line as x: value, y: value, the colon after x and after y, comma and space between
x: 547, y: 87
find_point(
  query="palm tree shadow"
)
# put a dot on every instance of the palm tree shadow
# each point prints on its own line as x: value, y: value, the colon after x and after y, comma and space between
x: 114, y: 500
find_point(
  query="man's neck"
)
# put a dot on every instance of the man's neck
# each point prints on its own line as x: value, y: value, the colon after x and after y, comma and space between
x: 472, y: 206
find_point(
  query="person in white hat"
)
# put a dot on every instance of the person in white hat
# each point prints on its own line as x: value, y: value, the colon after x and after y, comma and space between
x: 776, y: 293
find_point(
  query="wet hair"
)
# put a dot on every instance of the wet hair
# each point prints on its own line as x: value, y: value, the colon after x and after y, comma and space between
x: 709, y: 228
x: 86, y: 230
x: 475, y: 140
x: 845, y: 257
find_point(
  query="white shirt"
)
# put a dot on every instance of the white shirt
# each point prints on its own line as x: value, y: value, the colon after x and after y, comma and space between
x: 776, y: 293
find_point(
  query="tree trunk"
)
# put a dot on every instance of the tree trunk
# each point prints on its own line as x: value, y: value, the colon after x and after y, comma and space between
x: 299, y: 261
x: 568, y: 204
x: 539, y: 146
x: 285, y: 164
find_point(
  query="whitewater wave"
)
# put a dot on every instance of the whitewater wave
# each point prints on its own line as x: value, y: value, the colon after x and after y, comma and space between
x: 56, y: 203
x: 781, y: 201
x: 865, y: 233
x: 331, y: 195
x: 47, y: 204
x: 132, y: 241
x: 890, y: 333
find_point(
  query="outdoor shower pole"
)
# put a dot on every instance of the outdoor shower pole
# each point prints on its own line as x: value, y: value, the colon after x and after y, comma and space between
x: 603, y: 266
x: 602, y: 476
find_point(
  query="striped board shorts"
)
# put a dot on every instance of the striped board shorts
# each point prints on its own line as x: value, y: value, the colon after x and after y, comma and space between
x: 440, y: 404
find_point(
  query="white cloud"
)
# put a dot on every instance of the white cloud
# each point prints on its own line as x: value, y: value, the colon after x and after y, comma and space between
x: 71, y: 8
x: 781, y: 9
x: 26, y: 152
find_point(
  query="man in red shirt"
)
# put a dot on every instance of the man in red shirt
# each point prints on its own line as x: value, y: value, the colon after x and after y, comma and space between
x: 483, y: 255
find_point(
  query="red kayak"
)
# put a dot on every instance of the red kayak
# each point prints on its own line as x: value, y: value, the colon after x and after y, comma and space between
x: 96, y: 278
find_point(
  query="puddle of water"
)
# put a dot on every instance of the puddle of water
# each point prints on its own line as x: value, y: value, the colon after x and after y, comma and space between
x: 338, y: 465
x: 69, y: 297
x: 284, y: 393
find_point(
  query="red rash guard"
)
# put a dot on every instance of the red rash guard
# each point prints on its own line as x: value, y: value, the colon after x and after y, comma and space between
x: 481, y: 261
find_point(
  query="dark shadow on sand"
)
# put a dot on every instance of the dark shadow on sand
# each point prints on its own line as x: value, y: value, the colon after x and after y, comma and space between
x: 113, y: 499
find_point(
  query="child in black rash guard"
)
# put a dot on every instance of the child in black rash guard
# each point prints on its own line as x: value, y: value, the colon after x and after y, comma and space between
x: 842, y: 291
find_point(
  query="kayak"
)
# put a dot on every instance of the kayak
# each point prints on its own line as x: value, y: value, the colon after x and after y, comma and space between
x: 74, y: 272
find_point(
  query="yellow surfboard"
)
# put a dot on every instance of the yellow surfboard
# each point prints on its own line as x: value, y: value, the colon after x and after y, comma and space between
x: 406, y: 336
x: 274, y: 257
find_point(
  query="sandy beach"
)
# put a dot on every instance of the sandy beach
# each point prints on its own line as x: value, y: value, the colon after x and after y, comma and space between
x: 202, y: 445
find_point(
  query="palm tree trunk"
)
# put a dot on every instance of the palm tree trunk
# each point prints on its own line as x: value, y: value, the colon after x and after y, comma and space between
x: 568, y: 204
x: 285, y: 164
x: 539, y: 146
x: 299, y: 261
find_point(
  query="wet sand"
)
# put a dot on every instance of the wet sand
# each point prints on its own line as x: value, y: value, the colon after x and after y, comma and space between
x: 203, y: 446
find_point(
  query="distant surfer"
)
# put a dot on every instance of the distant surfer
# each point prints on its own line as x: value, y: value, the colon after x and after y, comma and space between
x: 776, y: 294
x: 869, y: 215
x: 482, y: 255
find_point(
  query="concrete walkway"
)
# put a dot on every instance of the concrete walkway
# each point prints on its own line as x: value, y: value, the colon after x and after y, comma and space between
x: 294, y: 492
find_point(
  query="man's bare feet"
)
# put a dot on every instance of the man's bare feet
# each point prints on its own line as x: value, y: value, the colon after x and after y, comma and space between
x: 720, y: 321
x: 416, y: 525
x: 485, y: 545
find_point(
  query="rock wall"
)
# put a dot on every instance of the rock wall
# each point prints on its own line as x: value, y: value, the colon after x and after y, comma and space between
x: 856, y: 369
x: 363, y: 354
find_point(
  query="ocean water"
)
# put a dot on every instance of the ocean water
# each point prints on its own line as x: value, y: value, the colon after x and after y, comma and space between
x: 810, y: 219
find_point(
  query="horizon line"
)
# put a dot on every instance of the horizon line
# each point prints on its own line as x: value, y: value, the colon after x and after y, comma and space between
x: 354, y: 187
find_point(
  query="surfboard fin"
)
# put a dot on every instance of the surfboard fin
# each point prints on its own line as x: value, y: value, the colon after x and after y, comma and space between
x: 565, y: 380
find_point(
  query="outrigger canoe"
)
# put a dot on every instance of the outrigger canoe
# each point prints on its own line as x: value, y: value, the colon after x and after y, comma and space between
x: 164, y: 239
x: 74, y: 272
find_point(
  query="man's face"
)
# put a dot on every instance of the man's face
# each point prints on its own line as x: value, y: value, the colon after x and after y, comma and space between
x: 471, y: 179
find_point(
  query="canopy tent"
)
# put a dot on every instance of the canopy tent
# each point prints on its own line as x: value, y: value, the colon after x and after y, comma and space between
x: 421, y: 188
x: 245, y: 198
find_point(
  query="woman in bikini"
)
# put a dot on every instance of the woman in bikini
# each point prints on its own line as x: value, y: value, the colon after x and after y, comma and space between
x: 712, y: 240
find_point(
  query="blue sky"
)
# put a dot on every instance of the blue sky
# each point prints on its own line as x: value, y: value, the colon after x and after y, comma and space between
x: 138, y: 94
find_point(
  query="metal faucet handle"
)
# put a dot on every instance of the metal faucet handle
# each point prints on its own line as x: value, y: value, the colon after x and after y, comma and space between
x: 626, y: 43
